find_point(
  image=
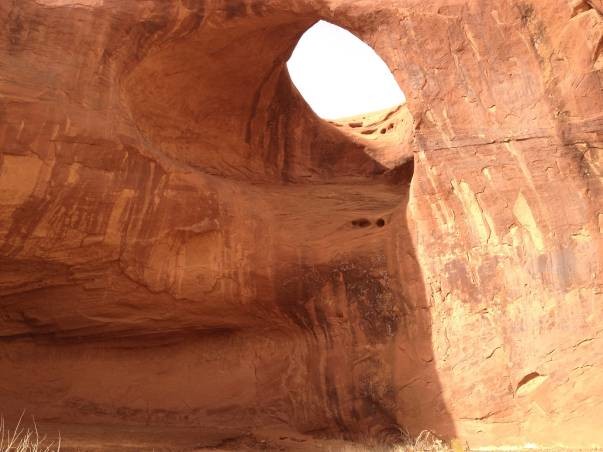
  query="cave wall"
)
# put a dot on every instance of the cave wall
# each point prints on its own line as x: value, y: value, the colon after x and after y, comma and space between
x: 179, y: 232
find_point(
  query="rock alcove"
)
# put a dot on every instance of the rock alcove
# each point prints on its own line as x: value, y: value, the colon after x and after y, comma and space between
x: 190, y: 255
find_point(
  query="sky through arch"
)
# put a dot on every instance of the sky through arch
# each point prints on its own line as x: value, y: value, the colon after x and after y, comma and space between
x: 339, y: 75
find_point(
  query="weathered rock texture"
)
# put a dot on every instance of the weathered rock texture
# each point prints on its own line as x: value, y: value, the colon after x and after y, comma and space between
x: 184, y: 243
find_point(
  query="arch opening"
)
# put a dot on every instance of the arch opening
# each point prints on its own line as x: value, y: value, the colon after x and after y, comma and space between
x: 339, y: 75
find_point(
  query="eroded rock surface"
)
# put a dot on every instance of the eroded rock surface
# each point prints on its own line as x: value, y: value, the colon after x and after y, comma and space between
x: 184, y: 243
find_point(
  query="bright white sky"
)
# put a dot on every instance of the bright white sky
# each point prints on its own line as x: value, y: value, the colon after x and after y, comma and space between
x: 339, y: 75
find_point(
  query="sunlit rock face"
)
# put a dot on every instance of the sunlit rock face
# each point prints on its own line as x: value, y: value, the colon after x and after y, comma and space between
x: 184, y: 243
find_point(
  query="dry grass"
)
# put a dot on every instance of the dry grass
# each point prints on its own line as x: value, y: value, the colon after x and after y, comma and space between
x: 25, y: 439
x: 425, y: 442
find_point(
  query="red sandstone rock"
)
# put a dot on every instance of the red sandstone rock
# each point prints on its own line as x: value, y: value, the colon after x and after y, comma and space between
x: 184, y: 243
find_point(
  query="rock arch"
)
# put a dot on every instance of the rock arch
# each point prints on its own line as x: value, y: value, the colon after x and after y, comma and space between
x: 177, y: 229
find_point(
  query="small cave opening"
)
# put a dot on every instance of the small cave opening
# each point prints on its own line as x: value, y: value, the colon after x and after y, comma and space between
x: 341, y: 76
x: 361, y: 223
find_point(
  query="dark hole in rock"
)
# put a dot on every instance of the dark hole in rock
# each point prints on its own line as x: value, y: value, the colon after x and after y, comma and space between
x: 380, y: 222
x: 361, y: 223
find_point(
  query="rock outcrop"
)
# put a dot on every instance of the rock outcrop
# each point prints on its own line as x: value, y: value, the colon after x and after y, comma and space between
x: 184, y: 243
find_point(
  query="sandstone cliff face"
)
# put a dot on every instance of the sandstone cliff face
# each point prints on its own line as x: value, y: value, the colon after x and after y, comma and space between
x: 184, y: 243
